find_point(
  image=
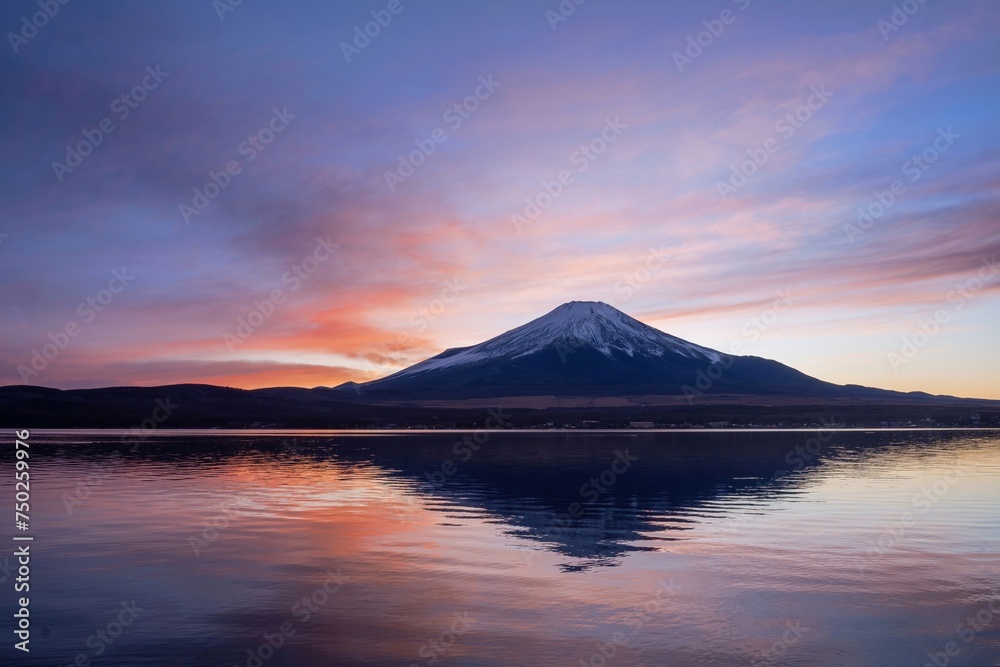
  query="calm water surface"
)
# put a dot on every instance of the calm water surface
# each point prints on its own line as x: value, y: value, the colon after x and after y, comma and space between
x: 511, y: 548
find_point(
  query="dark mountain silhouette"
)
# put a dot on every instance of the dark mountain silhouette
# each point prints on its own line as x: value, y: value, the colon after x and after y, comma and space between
x: 583, y: 364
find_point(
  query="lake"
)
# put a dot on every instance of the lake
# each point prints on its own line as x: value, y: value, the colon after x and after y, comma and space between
x: 701, y: 548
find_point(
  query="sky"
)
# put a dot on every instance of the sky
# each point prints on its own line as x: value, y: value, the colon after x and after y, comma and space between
x: 262, y: 194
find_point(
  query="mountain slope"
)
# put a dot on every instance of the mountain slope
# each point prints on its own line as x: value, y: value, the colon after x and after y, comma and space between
x: 586, y: 348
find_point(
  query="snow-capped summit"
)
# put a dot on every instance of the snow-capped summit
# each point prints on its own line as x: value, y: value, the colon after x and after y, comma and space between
x: 587, y: 348
x: 605, y: 328
x: 571, y: 326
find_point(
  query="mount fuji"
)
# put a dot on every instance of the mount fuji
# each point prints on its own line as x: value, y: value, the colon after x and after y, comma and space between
x: 590, y: 349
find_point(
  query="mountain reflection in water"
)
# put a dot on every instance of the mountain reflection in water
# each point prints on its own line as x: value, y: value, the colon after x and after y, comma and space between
x: 504, y: 548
